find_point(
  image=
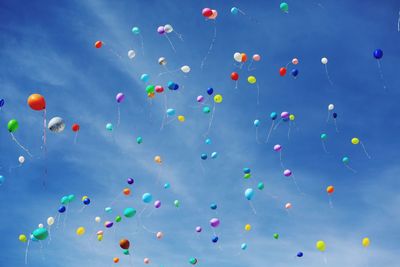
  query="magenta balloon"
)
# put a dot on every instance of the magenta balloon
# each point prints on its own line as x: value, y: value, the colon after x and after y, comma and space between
x: 157, y: 204
x: 200, y: 98
x: 120, y: 97
x: 214, y: 222
x: 161, y: 30
x: 277, y: 147
x: 287, y: 172
x: 285, y: 115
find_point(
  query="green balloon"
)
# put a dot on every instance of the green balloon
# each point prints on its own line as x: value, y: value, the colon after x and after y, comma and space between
x: 126, y: 251
x: 260, y: 186
x: 176, y: 203
x: 118, y: 218
x: 71, y: 198
x: 64, y: 200
x: 129, y: 212
x: 150, y: 89
x: 276, y: 236
x: 40, y: 233
x: 284, y: 7
x: 193, y: 261
x: 12, y: 126
x: 247, y: 176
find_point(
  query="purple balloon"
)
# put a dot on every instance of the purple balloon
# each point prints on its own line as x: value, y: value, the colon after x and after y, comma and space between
x: 130, y: 180
x: 120, y: 97
x: 277, y: 147
x: 161, y: 30
x: 287, y: 172
x: 214, y: 222
x: 157, y: 204
x: 285, y: 115
x: 200, y: 98
x: 198, y: 229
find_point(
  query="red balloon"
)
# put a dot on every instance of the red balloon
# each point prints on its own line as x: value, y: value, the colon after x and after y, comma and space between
x: 234, y: 76
x: 159, y: 89
x: 36, y: 102
x: 207, y: 12
x: 124, y: 243
x: 98, y: 44
x: 282, y: 71
x: 75, y: 127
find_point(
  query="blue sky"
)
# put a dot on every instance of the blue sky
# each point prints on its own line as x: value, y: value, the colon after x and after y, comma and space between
x: 47, y: 48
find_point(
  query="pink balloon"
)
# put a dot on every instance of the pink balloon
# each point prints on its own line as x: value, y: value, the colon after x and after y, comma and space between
x: 200, y: 98
x: 120, y: 97
x: 198, y: 229
x: 287, y: 172
x: 161, y: 30
x: 277, y: 147
x: 157, y: 204
x: 159, y: 235
x: 285, y: 115
x: 288, y: 205
x: 214, y: 14
x: 214, y: 222
x: 295, y: 61
x: 146, y: 260
x: 256, y: 57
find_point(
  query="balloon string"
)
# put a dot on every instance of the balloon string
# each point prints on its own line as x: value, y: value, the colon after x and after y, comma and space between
x: 252, y: 208
x: 330, y: 203
x: 350, y: 168
x: 169, y: 40
x: 336, y: 127
x: 258, y: 94
x: 26, y: 252
x: 327, y: 75
x: 65, y: 218
x: 236, y: 84
x: 141, y: 223
x: 324, y: 147
x: 21, y: 146
x: 119, y: 116
x: 210, y: 122
x: 76, y: 137
x: 258, y: 142
x: 180, y: 36
x: 365, y: 151
x: 270, y: 131
x: 276, y: 126
x: 280, y: 159
x: 142, y: 43
x: 381, y: 74
x: 288, y: 133
x: 327, y: 118
x: 251, y: 64
x: 297, y: 186
x: 398, y: 23
x: 210, y: 47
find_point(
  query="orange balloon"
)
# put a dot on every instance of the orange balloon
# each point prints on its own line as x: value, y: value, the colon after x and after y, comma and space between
x: 124, y: 243
x: 244, y: 57
x: 151, y: 95
x: 330, y: 189
x: 126, y: 191
x: 36, y: 102
x: 116, y: 260
x: 157, y: 159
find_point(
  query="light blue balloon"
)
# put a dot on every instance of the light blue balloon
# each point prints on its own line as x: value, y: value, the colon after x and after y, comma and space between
x: 167, y: 185
x: 234, y: 10
x: 249, y: 193
x: 109, y: 127
x: 108, y: 209
x: 345, y: 160
x: 208, y: 141
x: 147, y: 197
x: 145, y: 77
x: 136, y: 30
x: 2, y: 179
x: 214, y: 155
x: 171, y: 112
x: 257, y: 123
x: 244, y: 246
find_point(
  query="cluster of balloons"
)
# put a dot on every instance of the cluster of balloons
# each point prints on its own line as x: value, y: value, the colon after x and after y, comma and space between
x: 209, y: 13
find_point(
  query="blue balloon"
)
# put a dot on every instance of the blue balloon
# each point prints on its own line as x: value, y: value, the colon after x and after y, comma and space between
x: 1, y: 102
x: 334, y: 115
x: 171, y: 112
x: 213, y: 206
x: 166, y: 185
x: 378, y: 53
x: 86, y: 201
x: 300, y: 254
x: 62, y: 209
x: 145, y: 77
x: 203, y: 156
x: 172, y: 86
x: 244, y: 246
x: 295, y: 72
x: 208, y: 141
x: 257, y: 123
x: 214, y: 155
x: 2, y: 179
x: 246, y: 170
x: 234, y: 10
x: 345, y: 159
x: 147, y: 197
x: 273, y: 115
x: 214, y: 239
x: 249, y: 193
x: 210, y: 91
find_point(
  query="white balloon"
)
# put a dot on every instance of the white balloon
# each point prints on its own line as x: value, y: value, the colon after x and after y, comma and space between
x: 185, y: 69
x: 168, y: 28
x: 50, y: 221
x: 238, y: 57
x: 324, y: 60
x: 97, y: 219
x: 40, y: 225
x: 21, y: 159
x: 56, y: 125
x: 331, y: 106
x: 131, y: 54
x: 162, y: 61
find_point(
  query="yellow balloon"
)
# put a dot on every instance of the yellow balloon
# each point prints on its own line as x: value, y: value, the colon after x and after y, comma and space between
x: 22, y: 238
x: 181, y: 118
x: 251, y: 79
x: 80, y: 230
x: 366, y: 242
x: 355, y: 141
x: 291, y: 117
x: 218, y: 98
x: 84, y: 197
x: 247, y: 227
x: 100, y: 237
x: 320, y: 245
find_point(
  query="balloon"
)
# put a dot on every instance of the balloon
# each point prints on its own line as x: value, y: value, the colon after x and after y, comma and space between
x: 210, y: 91
x: 295, y: 72
x: 150, y: 89
x: 40, y: 225
x: 355, y: 141
x: 124, y: 243
x: 126, y: 191
x: 131, y: 54
x: 136, y: 30
x: 146, y: 260
x: 159, y: 235
x: 366, y: 242
x: 145, y: 77
x: 198, y: 229
x: 214, y: 239
x: 157, y: 159
x: 214, y: 14
x: 330, y: 189
x: 56, y: 125
x: 71, y: 198
x: 33, y: 238
x: 243, y: 246
x: 234, y: 76
x: 36, y: 102
x: 1, y: 102
x: 273, y: 115
x: 237, y: 57
x: 213, y: 206
x: 181, y: 118
x: 12, y: 126
x: 173, y: 86
x: 98, y: 44
x: 159, y: 89
x: 62, y: 209
x: 171, y: 112
x: 288, y: 205
x: 129, y: 212
x: 234, y: 10
x: 246, y: 170
x: 120, y: 97
x: 2, y: 179
x: 176, y: 203
x: 256, y: 57
x: 147, y: 197
x: 260, y: 186
x: 97, y: 219
x: 40, y: 233
x: 64, y: 200
x: 345, y: 159
x: 109, y: 127
x: 130, y: 181
x: 193, y: 261
x: 295, y: 61
x: 284, y: 7
x: 256, y: 123
x: 291, y: 117
x: 208, y: 141
x: 185, y: 69
x: 108, y: 224
x: 80, y: 231
x: 115, y: 260
x: 300, y: 254
x: 324, y: 136
x: 206, y: 110
x: 168, y: 28
x: 247, y: 227
x: 162, y: 61
x: 167, y: 185
x: 334, y: 115
x: 161, y: 30
x: 285, y: 115
x: 207, y: 12
x: 320, y: 245
x: 200, y: 98
x: 157, y: 204
x: 276, y: 236
x: 125, y: 251
x: 282, y: 71
x: 214, y: 155
x: 108, y: 209
x: 214, y: 222
x: 331, y: 107
x: 203, y: 156
x: 287, y: 172
x: 251, y: 79
x: 218, y: 99
x: 22, y: 238
x: 324, y: 60
x: 378, y: 53
x: 21, y: 159
x: 75, y: 127
x: 249, y: 193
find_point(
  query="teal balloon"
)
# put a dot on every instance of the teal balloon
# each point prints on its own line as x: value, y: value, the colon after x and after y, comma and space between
x: 126, y: 251
x: 324, y: 136
x: 129, y: 212
x: 244, y: 246
x: 139, y: 140
x: 40, y: 233
x: 145, y: 77
x: 109, y: 127
x: 2, y: 179
x: 260, y: 186
x: 345, y: 160
x: 284, y: 7
x: 64, y: 200
x: 71, y: 198
x: 177, y: 203
x: 249, y: 193
x: 167, y: 185
x: 206, y: 110
x: 136, y: 30
x: 108, y: 209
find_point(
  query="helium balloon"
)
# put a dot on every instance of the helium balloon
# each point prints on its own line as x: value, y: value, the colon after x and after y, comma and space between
x: 145, y: 77
x: 150, y: 89
x: 276, y: 236
x: 331, y: 107
x: 124, y: 243
x: 244, y: 57
x: 203, y: 156
x: 251, y: 79
x: 330, y: 189
x: 284, y: 7
x: 295, y: 72
x: 288, y: 206
x: 147, y: 197
x: 206, y: 110
x: 146, y: 260
x: 2, y: 179
x: 378, y: 53
x: 22, y: 238
x: 256, y: 57
x: 129, y: 212
x: 214, y: 222
x: 40, y: 233
x: 181, y: 118
x: 1, y: 103
x: 167, y: 185
x: 12, y: 126
x: 234, y: 10
x: 157, y: 159
x: 214, y: 239
x: 130, y: 181
x: 40, y: 225
x: 162, y: 61
x: 193, y: 261
x: 355, y: 141
x: 247, y: 227
x: 108, y: 224
x: 108, y: 209
x: 173, y: 86
x: 185, y: 69
x: 214, y: 14
x: 345, y: 159
x: 234, y: 76
x: 171, y: 112
x: 237, y: 57
x: 159, y: 235
x: 200, y: 98
x: 126, y: 191
x: 256, y: 123
x: 198, y: 229
x: 365, y: 242
x: 157, y: 204
x: 320, y: 245
x: 21, y: 159
x: 287, y: 172
x: 243, y: 246
x: 139, y: 140
x: 282, y: 71
x: 98, y: 44
x: 115, y: 260
x: 36, y: 102
x: 295, y: 61
x: 56, y: 125
x: 334, y: 115
x: 62, y: 209
x: 291, y: 117
x: 208, y: 141
x: 109, y: 127
x: 75, y: 127
x: 273, y: 115
x: 249, y: 193
x: 324, y: 60
x: 120, y: 97
x: 136, y: 30
x: 213, y: 206
x: 161, y: 30
x: 218, y: 99
x: 214, y: 155
x: 300, y: 254
x: 285, y: 115
x: 80, y: 231
x: 71, y: 198
x: 277, y: 147
x: 324, y: 136
x: 210, y: 91
x: 125, y: 251
x: 176, y: 203
x: 260, y: 186
x: 131, y: 54
x: 159, y: 89
x: 207, y: 12
x: 168, y: 28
